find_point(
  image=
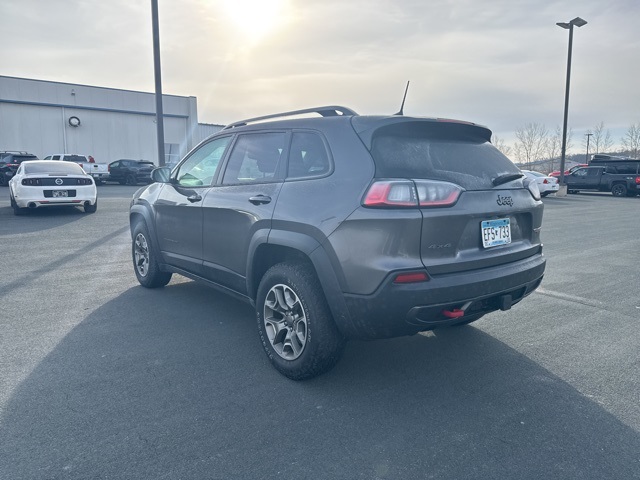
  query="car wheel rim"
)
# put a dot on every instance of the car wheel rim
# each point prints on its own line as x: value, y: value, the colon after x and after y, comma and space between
x: 141, y: 255
x: 285, y: 322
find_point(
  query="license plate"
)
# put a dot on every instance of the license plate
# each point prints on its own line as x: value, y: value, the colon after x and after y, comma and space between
x: 60, y: 193
x: 495, y: 232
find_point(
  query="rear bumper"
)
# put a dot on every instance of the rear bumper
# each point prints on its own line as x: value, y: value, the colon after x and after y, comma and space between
x: 33, y: 197
x: 395, y: 310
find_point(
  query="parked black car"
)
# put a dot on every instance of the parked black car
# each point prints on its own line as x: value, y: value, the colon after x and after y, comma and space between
x: 130, y: 172
x: 344, y: 226
x: 9, y: 163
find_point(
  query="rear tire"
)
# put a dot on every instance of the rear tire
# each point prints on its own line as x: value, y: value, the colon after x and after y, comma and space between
x: 16, y: 209
x: 295, y: 324
x: 91, y: 208
x: 619, y: 190
x: 145, y: 259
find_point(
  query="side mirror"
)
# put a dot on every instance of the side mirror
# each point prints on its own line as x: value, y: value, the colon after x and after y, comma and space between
x: 161, y: 174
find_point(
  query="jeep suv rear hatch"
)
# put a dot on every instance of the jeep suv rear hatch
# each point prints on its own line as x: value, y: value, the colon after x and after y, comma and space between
x: 476, y: 209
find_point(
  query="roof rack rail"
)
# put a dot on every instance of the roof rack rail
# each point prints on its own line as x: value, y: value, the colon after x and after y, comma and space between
x: 328, y: 111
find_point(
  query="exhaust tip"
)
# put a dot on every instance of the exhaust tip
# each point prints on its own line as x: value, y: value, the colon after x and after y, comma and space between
x: 32, y: 205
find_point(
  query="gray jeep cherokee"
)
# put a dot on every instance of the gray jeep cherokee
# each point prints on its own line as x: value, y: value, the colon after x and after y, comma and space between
x: 344, y: 226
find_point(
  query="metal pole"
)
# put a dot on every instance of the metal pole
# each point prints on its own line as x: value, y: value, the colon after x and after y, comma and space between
x: 588, y: 138
x: 157, y: 70
x: 566, y: 107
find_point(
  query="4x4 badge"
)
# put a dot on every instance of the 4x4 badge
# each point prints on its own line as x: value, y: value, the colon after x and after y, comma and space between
x: 503, y: 201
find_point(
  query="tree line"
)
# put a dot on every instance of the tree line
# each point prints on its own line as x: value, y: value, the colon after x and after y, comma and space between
x: 536, y: 144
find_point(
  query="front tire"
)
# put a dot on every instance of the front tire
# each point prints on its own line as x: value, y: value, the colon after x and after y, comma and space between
x: 145, y: 260
x: 295, y: 323
x: 131, y: 180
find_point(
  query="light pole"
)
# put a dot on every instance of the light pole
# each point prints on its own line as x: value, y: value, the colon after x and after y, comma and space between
x: 588, y: 135
x: 578, y: 22
x: 158, y: 78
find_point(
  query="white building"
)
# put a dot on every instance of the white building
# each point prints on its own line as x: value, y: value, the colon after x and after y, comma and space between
x: 44, y: 118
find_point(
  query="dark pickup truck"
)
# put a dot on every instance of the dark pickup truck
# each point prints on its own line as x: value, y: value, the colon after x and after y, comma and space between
x: 603, y: 180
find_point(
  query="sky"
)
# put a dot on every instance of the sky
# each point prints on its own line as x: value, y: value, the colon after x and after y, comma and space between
x: 500, y: 63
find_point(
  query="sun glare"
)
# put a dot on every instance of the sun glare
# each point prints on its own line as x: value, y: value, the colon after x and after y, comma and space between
x: 256, y: 18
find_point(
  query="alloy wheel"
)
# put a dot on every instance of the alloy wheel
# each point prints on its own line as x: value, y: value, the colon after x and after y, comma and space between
x: 285, y: 322
x: 141, y: 254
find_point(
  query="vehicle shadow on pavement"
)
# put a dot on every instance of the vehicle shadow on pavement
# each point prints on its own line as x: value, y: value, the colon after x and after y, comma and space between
x: 172, y: 383
x: 38, y: 219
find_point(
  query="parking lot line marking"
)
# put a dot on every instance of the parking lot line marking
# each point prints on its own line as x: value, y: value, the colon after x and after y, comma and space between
x: 570, y: 298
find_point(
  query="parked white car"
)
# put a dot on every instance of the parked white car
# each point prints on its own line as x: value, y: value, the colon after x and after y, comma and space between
x: 546, y: 184
x: 99, y: 171
x: 47, y: 183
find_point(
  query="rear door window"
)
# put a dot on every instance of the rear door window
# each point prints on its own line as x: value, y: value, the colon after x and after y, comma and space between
x: 308, y: 156
x: 438, y: 151
x: 255, y: 158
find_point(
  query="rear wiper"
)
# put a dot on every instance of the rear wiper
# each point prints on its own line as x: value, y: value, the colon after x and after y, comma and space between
x: 506, y: 178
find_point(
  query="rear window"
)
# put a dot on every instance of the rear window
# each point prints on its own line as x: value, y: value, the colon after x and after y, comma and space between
x: 18, y: 158
x: 438, y: 151
x: 53, y: 168
x: 75, y: 158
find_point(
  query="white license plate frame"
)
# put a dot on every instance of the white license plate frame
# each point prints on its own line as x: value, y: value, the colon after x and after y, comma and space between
x: 495, y: 232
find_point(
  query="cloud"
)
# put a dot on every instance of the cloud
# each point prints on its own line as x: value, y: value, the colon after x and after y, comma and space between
x: 500, y: 62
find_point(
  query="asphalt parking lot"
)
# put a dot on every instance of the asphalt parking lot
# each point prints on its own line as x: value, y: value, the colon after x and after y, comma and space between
x: 103, y: 379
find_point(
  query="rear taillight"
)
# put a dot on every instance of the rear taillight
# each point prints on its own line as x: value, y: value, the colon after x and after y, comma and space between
x: 31, y: 182
x: 545, y: 181
x: 532, y: 186
x: 391, y: 193
x: 437, y: 194
x: 412, y: 193
x: 637, y: 180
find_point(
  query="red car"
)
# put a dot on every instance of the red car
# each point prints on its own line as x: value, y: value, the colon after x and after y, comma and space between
x: 556, y: 173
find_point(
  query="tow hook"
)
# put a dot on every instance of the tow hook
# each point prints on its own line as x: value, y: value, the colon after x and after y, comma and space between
x: 456, y: 312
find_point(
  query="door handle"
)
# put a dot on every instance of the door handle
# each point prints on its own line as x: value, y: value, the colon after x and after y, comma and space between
x: 260, y: 200
x: 194, y: 198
